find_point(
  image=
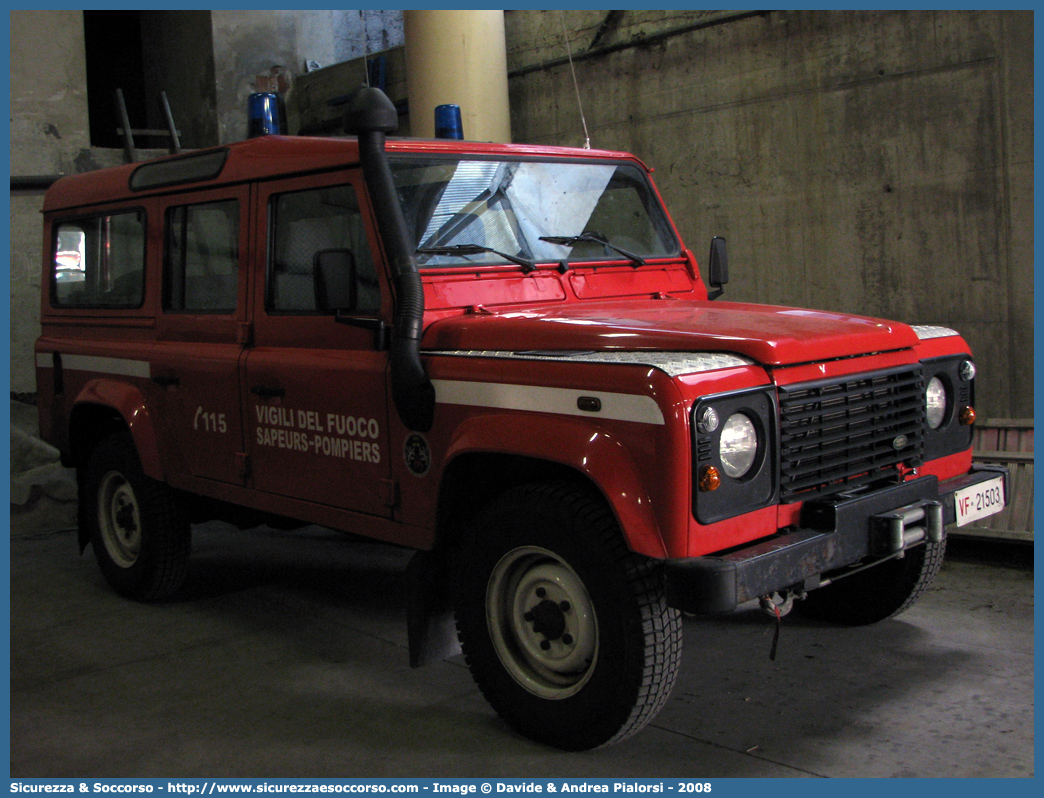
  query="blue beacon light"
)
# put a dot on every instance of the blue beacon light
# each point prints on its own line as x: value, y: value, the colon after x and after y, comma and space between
x: 447, y: 122
x: 262, y: 114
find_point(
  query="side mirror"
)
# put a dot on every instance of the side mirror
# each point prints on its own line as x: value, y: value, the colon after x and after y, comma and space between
x: 335, y: 286
x: 717, y: 267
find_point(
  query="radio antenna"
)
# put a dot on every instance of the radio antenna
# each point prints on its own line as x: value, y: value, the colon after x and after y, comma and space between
x: 366, y: 47
x: 576, y: 86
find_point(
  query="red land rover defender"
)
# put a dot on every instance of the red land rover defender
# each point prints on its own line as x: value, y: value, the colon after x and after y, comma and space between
x: 504, y: 357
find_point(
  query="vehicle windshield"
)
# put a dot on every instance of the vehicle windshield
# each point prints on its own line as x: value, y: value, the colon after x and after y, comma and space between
x: 476, y: 212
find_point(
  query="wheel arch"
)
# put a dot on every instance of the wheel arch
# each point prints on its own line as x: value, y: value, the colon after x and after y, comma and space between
x: 105, y: 407
x: 479, y: 467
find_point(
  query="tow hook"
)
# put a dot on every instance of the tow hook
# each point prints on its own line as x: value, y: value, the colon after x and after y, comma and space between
x: 776, y: 605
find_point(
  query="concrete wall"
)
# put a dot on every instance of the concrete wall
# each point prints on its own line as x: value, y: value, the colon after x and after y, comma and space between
x: 48, y: 132
x: 876, y: 162
x: 268, y: 50
x: 358, y: 33
x: 49, y: 136
x: 48, y: 94
x: 249, y: 45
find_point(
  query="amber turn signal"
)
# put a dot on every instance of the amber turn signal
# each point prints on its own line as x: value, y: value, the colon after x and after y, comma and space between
x: 967, y: 417
x: 710, y: 479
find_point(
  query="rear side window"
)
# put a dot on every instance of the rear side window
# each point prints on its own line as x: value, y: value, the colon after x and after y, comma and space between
x: 202, y: 258
x: 99, y: 262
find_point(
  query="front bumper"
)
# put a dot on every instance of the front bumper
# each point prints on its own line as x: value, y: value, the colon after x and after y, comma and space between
x: 835, y: 534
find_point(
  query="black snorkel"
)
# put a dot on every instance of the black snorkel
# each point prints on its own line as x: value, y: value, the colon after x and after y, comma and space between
x: 370, y: 115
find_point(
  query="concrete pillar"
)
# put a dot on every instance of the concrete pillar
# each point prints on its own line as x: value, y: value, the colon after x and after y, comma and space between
x: 458, y: 57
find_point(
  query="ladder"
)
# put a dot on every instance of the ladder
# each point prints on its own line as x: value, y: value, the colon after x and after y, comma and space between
x: 128, y: 134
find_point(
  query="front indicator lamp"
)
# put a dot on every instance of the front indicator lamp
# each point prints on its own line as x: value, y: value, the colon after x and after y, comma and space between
x: 967, y: 416
x: 710, y: 479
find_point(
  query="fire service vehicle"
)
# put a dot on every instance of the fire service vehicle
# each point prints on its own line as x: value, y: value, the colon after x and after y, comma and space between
x: 505, y: 358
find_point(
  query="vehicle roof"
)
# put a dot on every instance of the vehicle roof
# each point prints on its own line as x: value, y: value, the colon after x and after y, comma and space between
x: 274, y: 156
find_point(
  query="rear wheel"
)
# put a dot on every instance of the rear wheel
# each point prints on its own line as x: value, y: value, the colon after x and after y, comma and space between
x: 140, y: 536
x: 877, y: 593
x: 566, y: 632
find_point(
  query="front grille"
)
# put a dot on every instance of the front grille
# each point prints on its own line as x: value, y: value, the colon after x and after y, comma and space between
x: 839, y: 434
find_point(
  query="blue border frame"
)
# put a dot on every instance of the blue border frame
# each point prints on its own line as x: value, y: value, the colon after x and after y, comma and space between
x: 857, y: 787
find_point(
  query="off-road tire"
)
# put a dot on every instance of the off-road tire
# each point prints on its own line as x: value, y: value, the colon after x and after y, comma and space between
x: 877, y: 593
x: 139, y: 533
x: 614, y: 660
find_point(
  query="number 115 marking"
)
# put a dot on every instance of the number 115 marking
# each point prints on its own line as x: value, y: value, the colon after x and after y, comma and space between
x: 212, y: 422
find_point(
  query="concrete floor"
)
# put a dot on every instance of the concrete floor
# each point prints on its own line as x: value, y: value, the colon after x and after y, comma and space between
x: 286, y: 657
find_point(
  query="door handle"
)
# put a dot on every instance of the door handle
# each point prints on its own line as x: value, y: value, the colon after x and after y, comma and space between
x: 267, y: 393
x: 167, y: 380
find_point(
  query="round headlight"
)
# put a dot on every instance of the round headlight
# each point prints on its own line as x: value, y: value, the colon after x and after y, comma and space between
x: 935, y: 402
x: 738, y: 445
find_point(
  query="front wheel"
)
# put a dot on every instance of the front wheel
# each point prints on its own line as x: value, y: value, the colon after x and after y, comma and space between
x: 566, y: 632
x: 878, y: 593
x: 140, y: 536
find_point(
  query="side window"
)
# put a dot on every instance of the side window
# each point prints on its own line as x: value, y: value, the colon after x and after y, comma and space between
x: 99, y: 262
x: 202, y: 258
x: 304, y: 223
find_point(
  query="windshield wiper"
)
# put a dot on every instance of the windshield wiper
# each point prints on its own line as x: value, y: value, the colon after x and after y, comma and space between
x: 594, y: 238
x: 476, y: 249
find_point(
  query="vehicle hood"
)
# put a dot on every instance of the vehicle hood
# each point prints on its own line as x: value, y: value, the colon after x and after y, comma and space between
x: 772, y: 336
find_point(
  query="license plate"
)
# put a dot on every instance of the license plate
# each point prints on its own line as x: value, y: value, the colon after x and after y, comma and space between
x: 979, y: 501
